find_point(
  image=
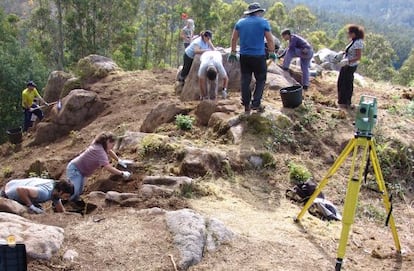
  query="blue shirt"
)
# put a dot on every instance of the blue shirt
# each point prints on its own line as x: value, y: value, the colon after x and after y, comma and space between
x: 252, y: 32
x: 189, y: 51
x: 44, y: 189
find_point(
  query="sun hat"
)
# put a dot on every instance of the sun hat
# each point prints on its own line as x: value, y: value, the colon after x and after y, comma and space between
x: 253, y: 7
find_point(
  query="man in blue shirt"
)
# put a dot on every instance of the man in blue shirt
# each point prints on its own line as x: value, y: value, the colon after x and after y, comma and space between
x: 32, y: 191
x: 252, y: 30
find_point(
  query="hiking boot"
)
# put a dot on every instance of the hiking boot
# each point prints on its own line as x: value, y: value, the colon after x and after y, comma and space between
x: 305, y: 88
x: 247, y: 110
x: 259, y: 109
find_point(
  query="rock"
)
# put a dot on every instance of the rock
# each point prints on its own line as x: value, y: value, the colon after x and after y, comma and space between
x: 256, y: 161
x: 71, y: 84
x: 204, y: 111
x: 54, y: 86
x: 42, y: 241
x: 217, y: 235
x: 193, y: 234
x: 197, y: 162
x: 150, y: 191
x: 54, y: 168
x: 113, y: 196
x: 163, y: 113
x: 80, y: 107
x: 129, y: 139
x: 95, y: 67
x: 220, y: 122
x: 170, y: 181
x: 277, y: 78
x: 235, y: 133
x: 11, y: 206
x: 70, y: 255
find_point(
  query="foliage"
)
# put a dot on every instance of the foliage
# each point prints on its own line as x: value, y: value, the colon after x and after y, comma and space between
x: 184, y: 122
x: 298, y: 173
x: 405, y: 74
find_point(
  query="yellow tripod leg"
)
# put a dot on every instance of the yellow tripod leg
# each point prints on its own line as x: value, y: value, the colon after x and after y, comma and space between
x: 385, y: 197
x: 351, y: 199
x: 341, y: 158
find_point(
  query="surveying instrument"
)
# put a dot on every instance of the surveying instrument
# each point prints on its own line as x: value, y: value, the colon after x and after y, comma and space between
x: 363, y: 140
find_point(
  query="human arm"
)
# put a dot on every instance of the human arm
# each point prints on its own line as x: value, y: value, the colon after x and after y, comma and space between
x: 202, y: 85
x: 115, y: 171
x: 234, y: 39
x: 26, y: 194
x: 270, y: 41
x: 198, y: 50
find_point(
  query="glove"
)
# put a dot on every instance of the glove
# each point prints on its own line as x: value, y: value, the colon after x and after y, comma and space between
x: 232, y: 57
x: 224, y: 93
x: 126, y: 175
x: 35, y: 210
x: 344, y: 62
x: 273, y: 56
x: 46, y: 103
x: 122, y: 163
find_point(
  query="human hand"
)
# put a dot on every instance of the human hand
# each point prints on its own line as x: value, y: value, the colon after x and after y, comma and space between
x: 273, y: 56
x: 344, y: 62
x: 31, y: 109
x: 232, y: 57
x: 35, y: 209
x: 126, y: 175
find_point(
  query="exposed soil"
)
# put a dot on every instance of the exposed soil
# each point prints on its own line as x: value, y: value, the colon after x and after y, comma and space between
x: 251, y: 202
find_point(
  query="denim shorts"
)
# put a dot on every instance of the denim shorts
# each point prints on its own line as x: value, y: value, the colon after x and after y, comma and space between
x: 75, y: 177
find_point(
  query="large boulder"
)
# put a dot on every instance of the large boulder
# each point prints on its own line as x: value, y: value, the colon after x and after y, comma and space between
x: 12, y: 206
x: 95, y: 67
x: 163, y: 113
x: 42, y: 241
x: 277, y: 78
x: 79, y: 108
x: 54, y: 86
x: 193, y: 234
x: 198, y: 162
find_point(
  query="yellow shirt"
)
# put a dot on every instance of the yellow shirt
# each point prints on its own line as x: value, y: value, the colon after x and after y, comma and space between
x: 28, y: 97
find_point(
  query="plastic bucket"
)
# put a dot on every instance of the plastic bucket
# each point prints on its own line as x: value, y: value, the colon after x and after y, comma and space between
x: 291, y: 96
x: 15, y: 135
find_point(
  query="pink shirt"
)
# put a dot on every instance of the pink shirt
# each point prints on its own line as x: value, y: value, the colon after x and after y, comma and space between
x: 91, y: 159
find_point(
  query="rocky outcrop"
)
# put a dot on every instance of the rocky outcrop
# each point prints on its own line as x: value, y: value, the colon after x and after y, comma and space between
x: 79, y: 108
x: 193, y: 234
x: 95, y: 67
x: 163, y: 113
x: 42, y: 241
x: 54, y: 86
x: 198, y: 162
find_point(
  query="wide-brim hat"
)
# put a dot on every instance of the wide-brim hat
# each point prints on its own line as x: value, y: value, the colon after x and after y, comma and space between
x: 31, y: 84
x: 253, y: 7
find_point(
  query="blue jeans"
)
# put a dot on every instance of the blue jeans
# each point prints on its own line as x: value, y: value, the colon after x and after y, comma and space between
x: 75, y: 177
x: 305, y: 59
x: 28, y: 117
x: 252, y: 65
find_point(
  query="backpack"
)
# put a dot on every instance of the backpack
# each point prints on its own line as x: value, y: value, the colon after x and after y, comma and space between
x: 303, y: 191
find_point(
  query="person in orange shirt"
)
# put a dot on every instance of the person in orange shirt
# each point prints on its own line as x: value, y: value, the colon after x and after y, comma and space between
x: 29, y: 107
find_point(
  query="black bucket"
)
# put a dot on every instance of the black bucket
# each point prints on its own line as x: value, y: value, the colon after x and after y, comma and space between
x: 15, y: 135
x: 291, y: 96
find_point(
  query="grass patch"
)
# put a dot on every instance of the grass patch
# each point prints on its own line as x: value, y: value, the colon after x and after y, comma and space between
x: 184, y: 122
x: 298, y: 173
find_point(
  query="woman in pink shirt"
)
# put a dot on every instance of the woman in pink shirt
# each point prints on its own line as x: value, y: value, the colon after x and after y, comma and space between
x: 94, y: 157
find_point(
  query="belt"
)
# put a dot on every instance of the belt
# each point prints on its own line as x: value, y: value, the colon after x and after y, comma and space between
x: 3, y: 194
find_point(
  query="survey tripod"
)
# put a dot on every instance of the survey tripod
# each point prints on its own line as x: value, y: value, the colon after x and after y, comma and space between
x: 363, y: 151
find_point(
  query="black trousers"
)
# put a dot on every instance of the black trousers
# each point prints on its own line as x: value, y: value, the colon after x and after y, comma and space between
x: 252, y: 65
x: 188, y: 61
x: 345, y: 84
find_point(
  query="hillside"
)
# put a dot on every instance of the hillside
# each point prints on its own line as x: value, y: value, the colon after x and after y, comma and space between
x: 249, y: 200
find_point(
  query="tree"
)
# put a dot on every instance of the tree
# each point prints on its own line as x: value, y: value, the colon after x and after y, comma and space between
x: 405, y: 75
x: 300, y: 19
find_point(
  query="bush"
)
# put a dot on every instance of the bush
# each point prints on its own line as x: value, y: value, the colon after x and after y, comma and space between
x: 184, y: 122
x: 298, y: 173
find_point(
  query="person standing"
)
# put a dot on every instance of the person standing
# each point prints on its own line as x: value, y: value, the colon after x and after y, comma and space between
x: 211, y: 63
x: 197, y: 46
x: 33, y: 191
x: 252, y: 30
x: 298, y: 47
x: 349, y: 63
x: 187, y: 32
x: 94, y: 157
x: 29, y: 107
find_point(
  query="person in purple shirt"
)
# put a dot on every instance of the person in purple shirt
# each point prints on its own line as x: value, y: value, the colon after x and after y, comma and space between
x: 298, y: 47
x: 94, y: 157
x: 252, y: 30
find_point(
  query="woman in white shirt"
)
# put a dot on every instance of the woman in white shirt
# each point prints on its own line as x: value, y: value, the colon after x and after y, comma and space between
x: 349, y: 63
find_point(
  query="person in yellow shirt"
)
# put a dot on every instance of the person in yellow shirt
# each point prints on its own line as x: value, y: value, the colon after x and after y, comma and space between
x: 29, y: 107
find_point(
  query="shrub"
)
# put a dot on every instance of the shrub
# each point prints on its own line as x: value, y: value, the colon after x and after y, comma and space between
x: 184, y: 122
x: 298, y: 173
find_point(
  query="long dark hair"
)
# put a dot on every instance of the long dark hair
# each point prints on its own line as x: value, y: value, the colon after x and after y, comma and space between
x: 357, y: 30
x: 65, y: 187
x: 103, y: 138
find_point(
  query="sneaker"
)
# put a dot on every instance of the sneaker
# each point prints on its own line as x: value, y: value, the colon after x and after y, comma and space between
x: 259, y: 109
x: 224, y: 94
x: 247, y: 110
